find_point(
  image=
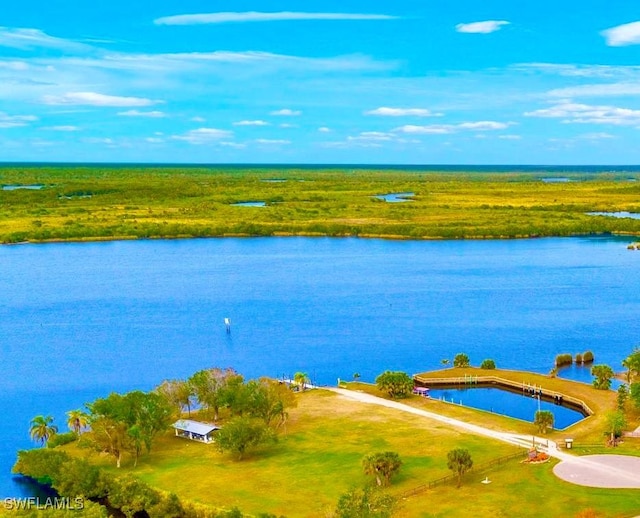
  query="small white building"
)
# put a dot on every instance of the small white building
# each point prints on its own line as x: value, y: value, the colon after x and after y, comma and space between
x: 195, y: 430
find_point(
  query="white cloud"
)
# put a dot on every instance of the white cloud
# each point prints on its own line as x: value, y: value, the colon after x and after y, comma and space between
x: 15, y: 121
x: 95, y: 99
x: 597, y: 90
x: 286, y: 112
x: 445, y: 129
x: 434, y: 129
x: 97, y: 140
x: 510, y: 137
x: 597, y: 136
x: 577, y: 113
x: 135, y: 113
x: 197, y: 119
x: 188, y: 60
x: 235, y: 145
x: 272, y: 141
x: 622, y: 35
x: 485, y: 27
x: 372, y: 136
x: 63, y: 128
x: 483, y: 125
x: 324, y: 129
x: 251, y: 123
x: 254, y: 16
x: 578, y: 70
x: 204, y: 135
x: 26, y: 39
x: 287, y: 125
x: 402, y: 112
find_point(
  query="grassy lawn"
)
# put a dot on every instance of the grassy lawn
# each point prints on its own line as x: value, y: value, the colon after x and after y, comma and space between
x: 318, y: 458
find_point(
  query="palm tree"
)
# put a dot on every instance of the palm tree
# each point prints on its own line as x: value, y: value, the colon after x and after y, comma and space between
x: 78, y: 420
x: 301, y: 379
x: 382, y: 466
x: 459, y: 461
x: 42, y: 429
x: 543, y: 420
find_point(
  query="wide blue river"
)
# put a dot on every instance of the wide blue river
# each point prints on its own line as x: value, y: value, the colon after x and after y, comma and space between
x: 80, y: 320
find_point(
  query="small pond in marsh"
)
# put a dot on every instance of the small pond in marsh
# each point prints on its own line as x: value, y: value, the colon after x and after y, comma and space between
x: 250, y: 204
x: 396, y: 197
x: 620, y: 214
x: 15, y: 187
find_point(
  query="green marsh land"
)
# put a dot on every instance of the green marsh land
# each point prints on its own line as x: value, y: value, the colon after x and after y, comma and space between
x: 93, y: 203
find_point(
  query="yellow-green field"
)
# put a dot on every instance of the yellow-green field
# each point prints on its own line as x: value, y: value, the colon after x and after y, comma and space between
x: 78, y: 203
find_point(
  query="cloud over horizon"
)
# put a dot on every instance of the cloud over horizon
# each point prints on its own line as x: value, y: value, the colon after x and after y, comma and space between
x: 97, y: 99
x: 402, y: 112
x: 485, y: 27
x: 623, y: 35
x: 257, y: 16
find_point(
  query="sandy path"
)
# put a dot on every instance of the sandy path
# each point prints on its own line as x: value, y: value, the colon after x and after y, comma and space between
x: 611, y: 471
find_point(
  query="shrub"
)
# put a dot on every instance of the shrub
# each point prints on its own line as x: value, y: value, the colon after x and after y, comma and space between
x: 461, y: 360
x: 60, y: 439
x: 564, y: 359
x: 587, y: 357
x: 488, y: 364
x: 579, y: 358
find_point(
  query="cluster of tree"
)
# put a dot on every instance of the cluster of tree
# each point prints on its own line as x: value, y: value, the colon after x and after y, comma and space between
x: 74, y: 477
x: 215, y: 389
x: 130, y: 423
x: 254, y: 408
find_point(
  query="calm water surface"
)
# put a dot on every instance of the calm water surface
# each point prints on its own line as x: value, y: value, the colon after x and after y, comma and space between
x: 79, y: 320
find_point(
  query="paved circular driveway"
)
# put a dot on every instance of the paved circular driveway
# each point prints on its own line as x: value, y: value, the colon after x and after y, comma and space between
x: 611, y: 471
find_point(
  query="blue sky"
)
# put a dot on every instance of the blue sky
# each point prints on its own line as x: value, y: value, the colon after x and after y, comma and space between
x: 403, y: 82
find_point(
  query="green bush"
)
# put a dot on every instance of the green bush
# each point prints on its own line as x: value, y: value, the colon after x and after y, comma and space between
x: 461, y: 360
x: 60, y: 439
x: 587, y: 357
x: 563, y: 359
x: 579, y: 358
x: 488, y: 364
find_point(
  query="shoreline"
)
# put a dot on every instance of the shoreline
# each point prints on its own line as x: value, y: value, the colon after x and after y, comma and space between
x: 386, y: 237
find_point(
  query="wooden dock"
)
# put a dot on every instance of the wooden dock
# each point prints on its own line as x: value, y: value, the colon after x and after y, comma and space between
x: 512, y: 386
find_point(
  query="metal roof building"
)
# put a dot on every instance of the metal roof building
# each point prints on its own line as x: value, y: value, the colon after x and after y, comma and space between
x: 195, y: 430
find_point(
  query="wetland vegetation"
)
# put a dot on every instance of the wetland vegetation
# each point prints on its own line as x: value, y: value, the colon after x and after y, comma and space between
x: 103, y: 202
